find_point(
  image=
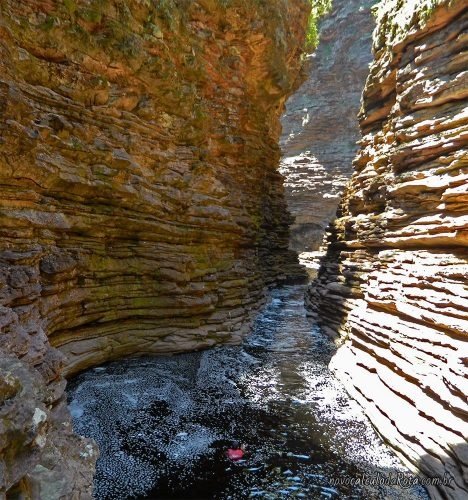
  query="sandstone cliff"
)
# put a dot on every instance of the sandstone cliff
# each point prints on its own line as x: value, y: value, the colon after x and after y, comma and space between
x: 393, y: 283
x: 320, y: 127
x: 140, y: 206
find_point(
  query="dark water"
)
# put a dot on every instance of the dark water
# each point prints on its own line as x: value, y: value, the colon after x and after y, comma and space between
x: 163, y: 424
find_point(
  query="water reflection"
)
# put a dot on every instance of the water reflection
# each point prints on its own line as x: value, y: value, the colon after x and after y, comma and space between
x: 163, y: 424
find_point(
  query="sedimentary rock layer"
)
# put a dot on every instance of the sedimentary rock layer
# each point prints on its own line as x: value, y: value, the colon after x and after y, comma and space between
x: 140, y: 206
x: 320, y: 126
x: 393, y: 283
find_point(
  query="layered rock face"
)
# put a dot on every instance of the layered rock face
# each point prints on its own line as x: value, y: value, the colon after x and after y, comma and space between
x: 140, y: 206
x: 320, y: 128
x: 393, y: 283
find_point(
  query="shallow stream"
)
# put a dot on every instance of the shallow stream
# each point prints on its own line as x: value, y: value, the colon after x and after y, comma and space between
x: 163, y: 424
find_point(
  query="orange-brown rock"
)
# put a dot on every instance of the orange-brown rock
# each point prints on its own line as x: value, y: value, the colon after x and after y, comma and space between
x: 141, y: 210
x: 393, y: 283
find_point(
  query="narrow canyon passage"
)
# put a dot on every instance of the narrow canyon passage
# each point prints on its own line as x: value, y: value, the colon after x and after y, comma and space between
x: 163, y: 424
x: 166, y: 166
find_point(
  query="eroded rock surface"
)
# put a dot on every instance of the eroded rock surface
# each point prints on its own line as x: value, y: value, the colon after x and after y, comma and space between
x: 393, y: 283
x: 320, y: 128
x: 40, y: 457
x: 140, y: 206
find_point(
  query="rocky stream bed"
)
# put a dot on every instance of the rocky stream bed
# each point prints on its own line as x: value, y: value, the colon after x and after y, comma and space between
x: 163, y: 424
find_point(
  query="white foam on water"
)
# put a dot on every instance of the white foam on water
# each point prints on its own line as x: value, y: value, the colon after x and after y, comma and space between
x: 158, y: 418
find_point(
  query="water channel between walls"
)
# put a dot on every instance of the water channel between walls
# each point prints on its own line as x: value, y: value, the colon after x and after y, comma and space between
x: 163, y: 424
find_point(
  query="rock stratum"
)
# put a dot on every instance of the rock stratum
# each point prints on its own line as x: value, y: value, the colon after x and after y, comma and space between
x: 320, y: 128
x: 393, y: 282
x: 141, y: 210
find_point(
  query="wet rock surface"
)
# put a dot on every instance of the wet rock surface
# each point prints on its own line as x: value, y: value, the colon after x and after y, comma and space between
x: 320, y: 126
x: 163, y: 424
x: 393, y: 282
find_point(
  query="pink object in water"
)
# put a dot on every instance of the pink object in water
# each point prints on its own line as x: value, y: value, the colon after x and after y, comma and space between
x: 235, y: 454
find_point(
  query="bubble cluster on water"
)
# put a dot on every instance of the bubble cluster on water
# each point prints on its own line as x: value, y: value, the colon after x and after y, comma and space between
x: 164, y: 423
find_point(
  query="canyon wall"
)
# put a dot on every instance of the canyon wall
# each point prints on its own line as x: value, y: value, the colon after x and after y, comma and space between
x: 320, y: 126
x: 141, y: 210
x: 393, y: 282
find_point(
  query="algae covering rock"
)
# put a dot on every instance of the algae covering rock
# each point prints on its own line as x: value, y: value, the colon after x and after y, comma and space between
x: 393, y: 283
x: 141, y: 210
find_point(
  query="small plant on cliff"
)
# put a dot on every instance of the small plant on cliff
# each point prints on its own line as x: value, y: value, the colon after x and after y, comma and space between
x: 49, y: 23
x: 318, y: 9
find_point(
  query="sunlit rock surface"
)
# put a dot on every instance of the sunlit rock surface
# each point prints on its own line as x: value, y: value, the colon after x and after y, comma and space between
x: 393, y: 282
x: 140, y: 206
x: 320, y: 128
